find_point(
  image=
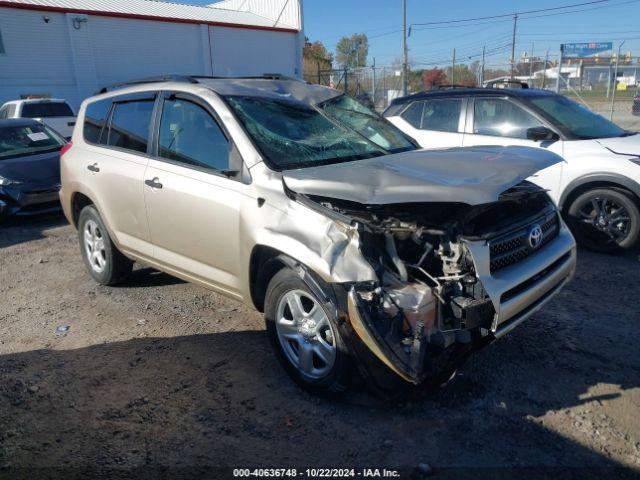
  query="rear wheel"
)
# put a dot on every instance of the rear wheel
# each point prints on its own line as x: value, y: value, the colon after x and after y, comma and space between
x: 305, y: 336
x: 605, y: 220
x: 103, y: 260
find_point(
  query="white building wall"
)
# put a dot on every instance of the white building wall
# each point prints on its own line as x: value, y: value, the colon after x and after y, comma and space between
x: 71, y: 60
x: 253, y: 52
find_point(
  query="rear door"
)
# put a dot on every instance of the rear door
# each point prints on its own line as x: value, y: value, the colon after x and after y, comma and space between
x: 193, y: 206
x: 434, y: 122
x: 502, y: 121
x: 117, y: 132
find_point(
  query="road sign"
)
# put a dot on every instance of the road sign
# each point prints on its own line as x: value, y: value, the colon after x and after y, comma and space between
x: 581, y: 50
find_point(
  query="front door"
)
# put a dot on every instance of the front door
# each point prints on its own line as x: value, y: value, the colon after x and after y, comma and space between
x: 501, y: 121
x: 192, y: 206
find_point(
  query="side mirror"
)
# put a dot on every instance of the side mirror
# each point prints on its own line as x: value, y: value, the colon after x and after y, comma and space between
x: 541, y: 134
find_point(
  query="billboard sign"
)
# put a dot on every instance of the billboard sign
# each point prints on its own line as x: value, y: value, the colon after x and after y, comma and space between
x: 582, y: 50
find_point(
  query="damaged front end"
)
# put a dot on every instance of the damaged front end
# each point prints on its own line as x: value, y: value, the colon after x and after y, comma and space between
x: 429, y: 298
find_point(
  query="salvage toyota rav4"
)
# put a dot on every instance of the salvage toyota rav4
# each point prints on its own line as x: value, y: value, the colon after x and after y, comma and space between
x: 366, y: 254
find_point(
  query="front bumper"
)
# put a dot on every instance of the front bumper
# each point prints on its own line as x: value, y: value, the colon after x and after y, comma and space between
x: 25, y: 200
x: 521, y: 289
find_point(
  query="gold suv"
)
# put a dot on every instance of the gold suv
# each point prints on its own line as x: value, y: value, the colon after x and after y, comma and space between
x: 366, y: 254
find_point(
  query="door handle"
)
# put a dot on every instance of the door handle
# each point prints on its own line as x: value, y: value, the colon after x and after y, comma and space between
x: 93, y: 168
x: 154, y: 183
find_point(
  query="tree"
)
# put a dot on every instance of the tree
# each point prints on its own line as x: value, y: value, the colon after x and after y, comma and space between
x: 433, y: 77
x: 352, y: 51
x: 315, y: 59
x: 463, y: 76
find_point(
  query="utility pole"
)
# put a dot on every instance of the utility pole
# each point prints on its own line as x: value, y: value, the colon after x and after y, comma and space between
x: 615, y: 82
x: 405, y: 52
x: 544, y: 71
x: 482, y: 68
x: 560, y: 60
x: 531, y: 63
x: 453, y: 68
x: 513, y: 44
x: 373, y: 93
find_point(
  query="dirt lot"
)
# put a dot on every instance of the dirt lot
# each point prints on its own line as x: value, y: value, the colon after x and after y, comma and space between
x: 159, y: 373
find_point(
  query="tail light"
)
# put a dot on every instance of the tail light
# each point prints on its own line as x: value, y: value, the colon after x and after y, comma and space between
x: 66, y: 148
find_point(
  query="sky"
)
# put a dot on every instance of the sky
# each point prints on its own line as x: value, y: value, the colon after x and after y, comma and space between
x: 381, y: 20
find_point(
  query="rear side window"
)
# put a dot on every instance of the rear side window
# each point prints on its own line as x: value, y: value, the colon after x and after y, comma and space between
x: 413, y: 114
x: 95, y: 119
x: 46, y: 109
x: 129, y: 127
x: 190, y: 135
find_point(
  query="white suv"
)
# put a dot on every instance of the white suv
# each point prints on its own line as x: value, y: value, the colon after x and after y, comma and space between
x: 597, y: 187
x: 307, y: 206
x: 55, y: 113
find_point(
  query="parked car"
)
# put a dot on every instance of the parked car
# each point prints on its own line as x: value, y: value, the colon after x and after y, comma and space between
x: 53, y: 112
x: 597, y: 187
x: 29, y: 167
x: 635, y: 108
x: 359, y: 248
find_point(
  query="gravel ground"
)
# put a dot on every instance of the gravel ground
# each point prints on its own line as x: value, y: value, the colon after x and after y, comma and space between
x: 160, y: 373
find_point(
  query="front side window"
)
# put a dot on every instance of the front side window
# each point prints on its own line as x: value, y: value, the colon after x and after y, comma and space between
x: 129, y: 127
x: 575, y: 119
x: 46, y: 109
x: 19, y: 141
x: 95, y: 118
x: 502, y: 118
x: 292, y: 134
x: 190, y: 135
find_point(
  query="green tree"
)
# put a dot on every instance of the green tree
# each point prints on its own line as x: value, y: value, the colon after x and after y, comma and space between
x: 352, y: 51
x: 316, y: 59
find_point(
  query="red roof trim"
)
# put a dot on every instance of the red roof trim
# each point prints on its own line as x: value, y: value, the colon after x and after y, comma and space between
x: 43, y: 8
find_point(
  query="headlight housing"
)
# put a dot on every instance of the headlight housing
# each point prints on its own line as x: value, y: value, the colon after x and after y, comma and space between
x: 6, y: 181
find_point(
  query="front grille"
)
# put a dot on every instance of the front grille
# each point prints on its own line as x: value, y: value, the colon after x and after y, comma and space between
x: 514, y: 247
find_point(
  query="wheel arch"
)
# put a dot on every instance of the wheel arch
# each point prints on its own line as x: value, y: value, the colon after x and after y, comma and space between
x: 78, y: 201
x: 597, y: 180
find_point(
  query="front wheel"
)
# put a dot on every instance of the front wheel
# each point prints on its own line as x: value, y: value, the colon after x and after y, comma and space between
x: 305, y: 336
x: 605, y: 220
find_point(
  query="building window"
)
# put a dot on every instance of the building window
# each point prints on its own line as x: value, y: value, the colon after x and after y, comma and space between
x: 2, y: 50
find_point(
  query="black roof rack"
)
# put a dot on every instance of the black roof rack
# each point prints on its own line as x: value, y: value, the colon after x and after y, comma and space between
x: 449, y: 87
x: 191, y: 79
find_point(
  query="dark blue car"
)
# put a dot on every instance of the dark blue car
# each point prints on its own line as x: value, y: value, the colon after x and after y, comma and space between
x: 29, y: 167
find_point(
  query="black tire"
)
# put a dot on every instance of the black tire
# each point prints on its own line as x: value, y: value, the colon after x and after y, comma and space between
x: 116, y: 267
x: 338, y: 379
x: 588, y: 236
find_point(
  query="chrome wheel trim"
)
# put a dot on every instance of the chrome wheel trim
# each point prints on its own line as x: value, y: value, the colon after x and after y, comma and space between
x: 305, y: 334
x: 94, y: 247
x: 607, y: 216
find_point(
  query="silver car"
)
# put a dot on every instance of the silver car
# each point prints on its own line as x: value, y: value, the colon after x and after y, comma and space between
x: 366, y: 254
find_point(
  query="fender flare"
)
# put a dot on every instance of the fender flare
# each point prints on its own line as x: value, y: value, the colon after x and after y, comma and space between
x: 616, y: 178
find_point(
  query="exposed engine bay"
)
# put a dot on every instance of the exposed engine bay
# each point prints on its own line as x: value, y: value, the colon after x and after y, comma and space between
x: 428, y: 296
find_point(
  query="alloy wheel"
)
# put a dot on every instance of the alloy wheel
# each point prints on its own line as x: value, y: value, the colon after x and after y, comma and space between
x: 94, y: 246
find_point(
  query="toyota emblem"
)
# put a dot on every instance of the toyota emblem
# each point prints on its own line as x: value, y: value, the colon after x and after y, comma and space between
x: 535, y: 237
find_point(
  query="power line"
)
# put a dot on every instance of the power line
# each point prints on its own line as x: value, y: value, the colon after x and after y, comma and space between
x: 490, y: 17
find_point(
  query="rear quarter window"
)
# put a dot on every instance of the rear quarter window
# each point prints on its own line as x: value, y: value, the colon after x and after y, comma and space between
x: 95, y: 119
x: 130, y: 125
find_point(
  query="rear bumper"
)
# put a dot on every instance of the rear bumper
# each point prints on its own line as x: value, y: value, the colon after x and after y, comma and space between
x: 521, y: 289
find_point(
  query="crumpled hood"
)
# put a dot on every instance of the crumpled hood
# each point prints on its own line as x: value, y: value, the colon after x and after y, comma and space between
x: 473, y: 175
x: 622, y: 145
x: 34, y: 169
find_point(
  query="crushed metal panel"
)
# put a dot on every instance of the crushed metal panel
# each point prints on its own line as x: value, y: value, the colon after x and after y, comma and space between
x: 473, y: 176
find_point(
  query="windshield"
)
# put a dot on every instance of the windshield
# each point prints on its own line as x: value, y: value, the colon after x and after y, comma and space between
x: 577, y: 120
x: 296, y: 135
x: 46, y: 109
x: 23, y: 140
